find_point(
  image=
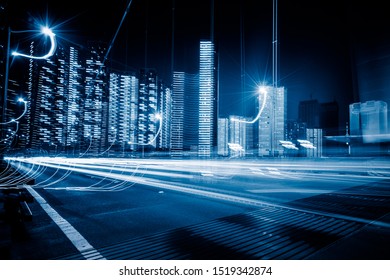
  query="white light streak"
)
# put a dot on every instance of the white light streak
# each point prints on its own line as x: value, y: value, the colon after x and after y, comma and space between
x: 24, y: 112
x: 161, y: 172
x: 263, y: 92
x: 48, y: 32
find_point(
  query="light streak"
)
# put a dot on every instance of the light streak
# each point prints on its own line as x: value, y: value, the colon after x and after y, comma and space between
x: 24, y: 112
x: 12, y: 135
x: 331, y: 171
x: 48, y: 32
x: 263, y: 92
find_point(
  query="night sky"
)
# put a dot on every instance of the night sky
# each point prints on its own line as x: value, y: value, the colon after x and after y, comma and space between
x: 331, y: 50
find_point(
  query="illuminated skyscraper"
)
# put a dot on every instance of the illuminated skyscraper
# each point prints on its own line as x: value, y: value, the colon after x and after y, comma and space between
x: 191, y: 113
x: 44, y: 123
x: 95, y: 119
x: 123, y: 112
x: 148, y: 124
x: 207, y: 100
x: 185, y: 100
x: 74, y: 100
x: 223, y: 136
x: 165, y: 110
x: 272, y: 122
x: 177, y: 123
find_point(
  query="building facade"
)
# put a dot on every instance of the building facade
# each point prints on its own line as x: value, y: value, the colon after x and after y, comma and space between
x: 272, y: 122
x: 208, y: 100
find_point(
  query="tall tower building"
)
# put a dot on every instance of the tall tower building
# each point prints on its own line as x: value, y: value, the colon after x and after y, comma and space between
x: 75, y: 93
x: 177, y: 122
x: 46, y: 130
x: 207, y: 100
x: 223, y: 136
x: 272, y: 122
x: 185, y: 113
x: 123, y: 112
x: 164, y: 109
x: 95, y: 119
x: 191, y: 113
x: 147, y: 109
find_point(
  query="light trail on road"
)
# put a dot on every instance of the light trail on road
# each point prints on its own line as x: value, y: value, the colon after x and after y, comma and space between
x: 194, y: 177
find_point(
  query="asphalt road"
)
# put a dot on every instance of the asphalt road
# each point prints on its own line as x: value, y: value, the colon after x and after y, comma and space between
x: 190, y: 209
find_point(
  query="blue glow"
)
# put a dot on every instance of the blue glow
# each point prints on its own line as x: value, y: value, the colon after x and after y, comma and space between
x: 48, y: 32
x: 263, y: 96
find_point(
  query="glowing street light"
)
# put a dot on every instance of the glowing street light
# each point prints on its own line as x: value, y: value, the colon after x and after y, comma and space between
x: 262, y: 90
x: 48, y: 32
x: 18, y: 118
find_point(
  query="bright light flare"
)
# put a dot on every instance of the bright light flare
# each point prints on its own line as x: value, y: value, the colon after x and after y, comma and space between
x: 48, y: 32
x: 262, y: 90
x: 158, y: 117
x: 262, y: 93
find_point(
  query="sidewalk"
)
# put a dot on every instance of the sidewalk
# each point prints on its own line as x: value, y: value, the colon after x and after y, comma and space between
x: 372, y: 242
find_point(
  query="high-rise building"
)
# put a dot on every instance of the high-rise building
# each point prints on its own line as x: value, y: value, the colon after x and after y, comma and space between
x: 207, y: 100
x: 165, y: 111
x: 123, y: 112
x: 223, y: 136
x: 75, y: 94
x: 47, y: 131
x: 95, y: 113
x: 191, y: 113
x: 148, y: 122
x: 272, y: 121
x: 314, y: 142
x: 240, y: 136
x: 177, y: 122
x: 185, y: 113
x: 309, y: 113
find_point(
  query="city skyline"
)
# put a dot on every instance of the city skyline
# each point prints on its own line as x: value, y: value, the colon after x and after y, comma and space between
x: 210, y: 26
x: 175, y: 129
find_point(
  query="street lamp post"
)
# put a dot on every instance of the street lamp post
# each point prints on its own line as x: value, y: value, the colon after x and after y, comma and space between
x: 47, y: 32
